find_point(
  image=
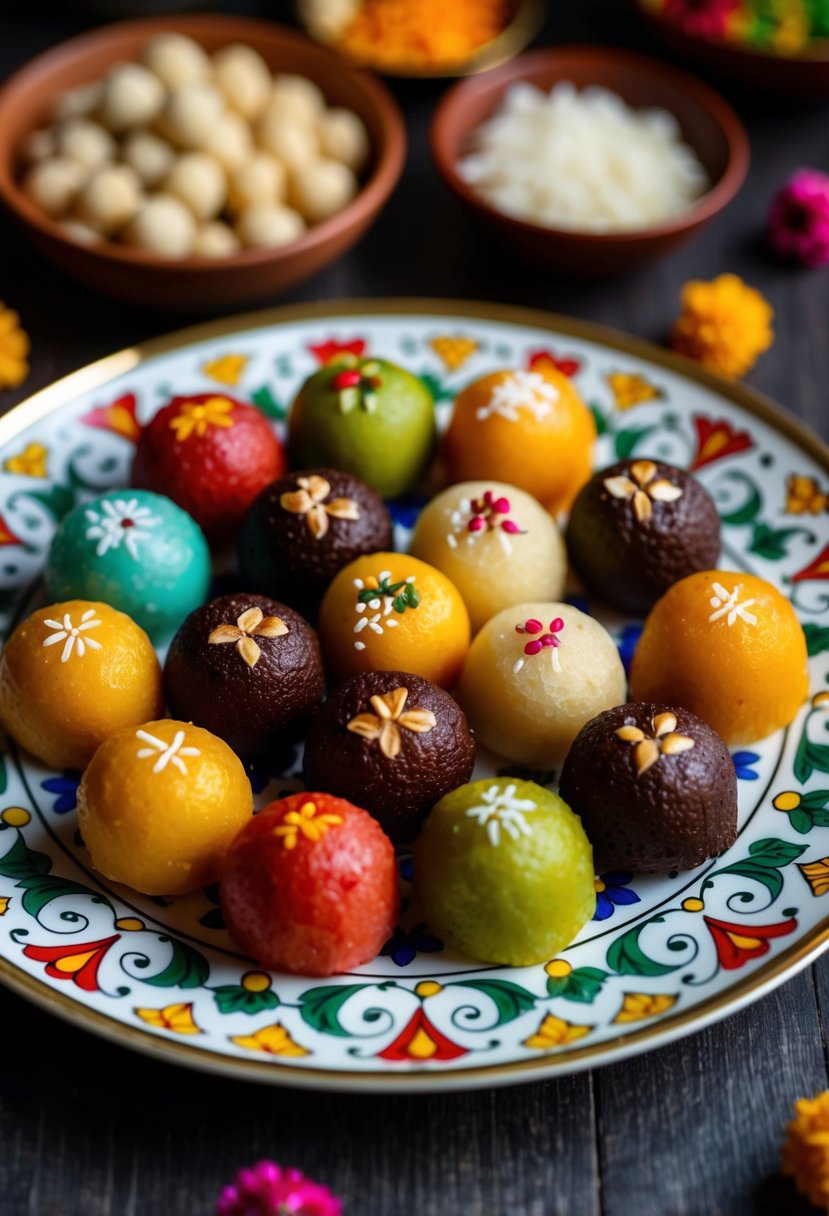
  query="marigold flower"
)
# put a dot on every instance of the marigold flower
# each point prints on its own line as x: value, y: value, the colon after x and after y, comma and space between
x: 798, y: 219
x: 268, y: 1189
x: 14, y: 348
x: 724, y: 325
x: 805, y: 1153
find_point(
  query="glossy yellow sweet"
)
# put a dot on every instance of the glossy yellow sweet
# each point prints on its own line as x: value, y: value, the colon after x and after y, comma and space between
x: 159, y: 805
x: 71, y: 675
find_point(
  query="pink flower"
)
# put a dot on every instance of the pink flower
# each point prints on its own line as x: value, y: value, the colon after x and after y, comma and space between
x: 268, y: 1189
x: 700, y: 18
x: 798, y: 220
x: 488, y: 512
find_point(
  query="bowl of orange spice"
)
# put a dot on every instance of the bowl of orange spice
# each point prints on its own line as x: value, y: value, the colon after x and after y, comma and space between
x: 424, y: 37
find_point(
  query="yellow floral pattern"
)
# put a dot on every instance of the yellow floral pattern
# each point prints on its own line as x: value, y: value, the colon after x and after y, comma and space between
x: 31, y: 462
x: 556, y: 1032
x: 14, y: 349
x: 816, y: 874
x: 453, y: 351
x: 5, y: 900
x: 805, y: 497
x: 195, y: 417
x: 272, y: 1040
x: 177, y: 1017
x: 305, y: 822
x: 226, y: 369
x: 639, y: 1005
x: 630, y: 389
x: 725, y: 325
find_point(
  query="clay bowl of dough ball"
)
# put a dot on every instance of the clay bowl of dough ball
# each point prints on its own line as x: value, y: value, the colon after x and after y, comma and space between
x: 198, y: 162
x: 588, y: 160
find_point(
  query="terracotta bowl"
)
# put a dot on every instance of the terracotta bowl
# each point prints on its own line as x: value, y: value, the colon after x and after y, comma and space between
x: 198, y: 284
x: 708, y: 124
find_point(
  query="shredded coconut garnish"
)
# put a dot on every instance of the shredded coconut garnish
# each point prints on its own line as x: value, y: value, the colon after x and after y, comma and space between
x: 66, y: 632
x: 728, y: 604
x: 165, y: 753
x: 520, y: 391
x: 500, y: 808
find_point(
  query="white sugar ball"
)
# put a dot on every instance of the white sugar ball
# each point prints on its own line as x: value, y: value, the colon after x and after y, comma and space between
x: 191, y: 113
x: 150, y: 156
x: 85, y: 142
x: 199, y: 181
x: 244, y: 79
x: 320, y: 189
x: 268, y: 226
x: 82, y: 233
x: 291, y: 142
x: 343, y: 136
x: 77, y: 102
x: 39, y: 145
x: 230, y: 141
x: 215, y: 240
x: 296, y: 97
x: 110, y: 198
x: 261, y: 179
x: 54, y: 184
x: 163, y: 226
x: 177, y: 60
x: 132, y: 97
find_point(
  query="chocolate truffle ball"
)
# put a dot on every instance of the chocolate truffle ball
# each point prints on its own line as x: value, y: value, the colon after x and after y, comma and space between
x: 304, y: 528
x: 638, y: 527
x: 392, y: 742
x: 655, y: 787
x: 244, y: 667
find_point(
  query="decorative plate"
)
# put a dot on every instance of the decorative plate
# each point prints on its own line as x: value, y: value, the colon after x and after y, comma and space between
x: 663, y: 955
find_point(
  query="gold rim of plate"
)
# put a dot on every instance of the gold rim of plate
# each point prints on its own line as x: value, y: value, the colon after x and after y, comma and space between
x: 762, y: 981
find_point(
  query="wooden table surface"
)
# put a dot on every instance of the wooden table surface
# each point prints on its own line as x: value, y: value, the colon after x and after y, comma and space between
x: 693, y: 1129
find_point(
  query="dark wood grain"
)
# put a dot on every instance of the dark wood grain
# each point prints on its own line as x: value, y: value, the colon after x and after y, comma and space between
x: 89, y: 1129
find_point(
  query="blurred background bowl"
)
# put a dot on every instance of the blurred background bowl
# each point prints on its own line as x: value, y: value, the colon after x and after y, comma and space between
x: 803, y: 74
x: 707, y: 122
x: 195, y: 284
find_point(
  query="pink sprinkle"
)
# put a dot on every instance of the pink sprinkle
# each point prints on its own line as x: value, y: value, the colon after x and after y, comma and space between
x: 501, y: 505
x: 533, y: 647
x: 533, y: 626
x: 345, y: 379
x: 557, y: 625
x: 476, y: 523
x: 549, y: 640
x: 510, y: 526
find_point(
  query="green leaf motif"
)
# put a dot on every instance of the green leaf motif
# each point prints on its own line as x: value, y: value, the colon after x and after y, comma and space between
x: 22, y: 862
x: 186, y: 969
x: 234, y: 998
x: 817, y: 638
x: 599, y: 419
x: 765, y: 860
x: 772, y: 852
x: 58, y: 500
x: 320, y: 1007
x: 583, y: 984
x: 264, y: 400
x: 810, y: 758
x: 4, y: 774
x: 625, y: 956
x: 41, y: 889
x: 627, y: 440
x: 815, y: 800
x: 771, y: 543
x: 509, y: 999
x: 439, y: 390
x: 748, y: 511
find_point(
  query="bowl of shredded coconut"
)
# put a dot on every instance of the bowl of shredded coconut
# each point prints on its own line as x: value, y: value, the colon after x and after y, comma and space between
x: 588, y: 159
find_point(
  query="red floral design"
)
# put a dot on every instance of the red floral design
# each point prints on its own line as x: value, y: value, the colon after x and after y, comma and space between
x: 78, y: 963
x: 118, y: 418
x: 324, y: 352
x: 701, y: 18
x: 7, y: 537
x: 546, y: 359
x: 717, y: 439
x: 736, y: 944
x: 817, y: 569
x: 420, y: 1041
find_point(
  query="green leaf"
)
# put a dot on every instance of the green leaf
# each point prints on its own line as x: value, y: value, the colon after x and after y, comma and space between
x: 582, y: 985
x: 627, y: 440
x: 264, y: 400
x: 770, y: 543
x: 399, y: 603
x: 626, y: 957
x: 186, y: 969
x: 815, y: 800
x: 22, y: 862
x: 439, y: 390
x: 320, y: 1007
x: 4, y: 775
x: 411, y: 595
x: 599, y: 419
x: 58, y: 500
x: 750, y: 509
x: 817, y: 638
x: 801, y: 821
x: 810, y: 758
x: 510, y: 1000
x: 41, y: 889
x: 775, y: 852
x: 233, y: 998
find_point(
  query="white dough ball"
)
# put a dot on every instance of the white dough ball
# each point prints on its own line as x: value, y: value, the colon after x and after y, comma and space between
x: 39, y: 145
x: 291, y: 142
x: 110, y: 198
x: 296, y: 97
x: 163, y: 226
x: 343, y: 136
x: 191, y: 113
x: 54, y: 184
x: 261, y: 179
x: 132, y: 97
x: 269, y: 226
x: 82, y: 233
x: 150, y: 156
x: 230, y: 141
x: 244, y: 79
x: 85, y: 142
x: 215, y: 240
x: 199, y: 181
x: 78, y: 102
x: 320, y: 189
x: 177, y: 60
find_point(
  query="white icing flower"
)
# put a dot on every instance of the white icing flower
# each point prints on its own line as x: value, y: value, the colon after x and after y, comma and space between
x: 501, y: 808
x: 121, y: 520
x: 165, y: 753
x: 517, y: 391
x: 728, y: 605
x: 66, y: 632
